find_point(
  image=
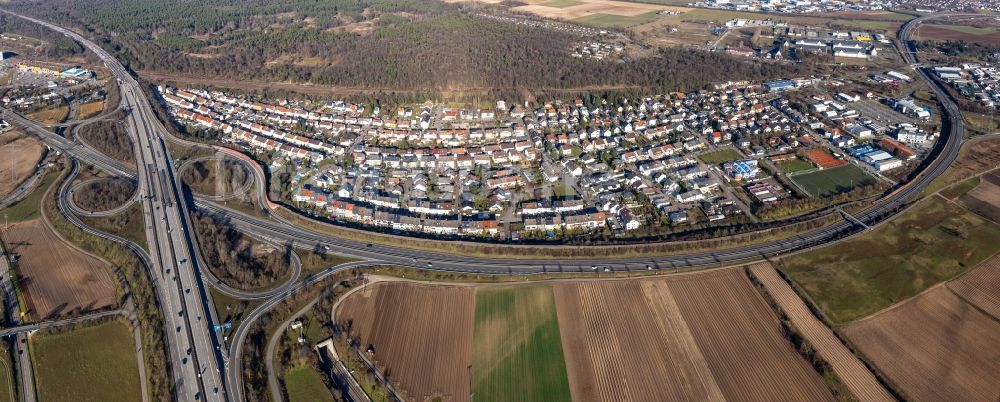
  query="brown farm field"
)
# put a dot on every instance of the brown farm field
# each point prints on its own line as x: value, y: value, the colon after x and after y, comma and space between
x: 934, y: 347
x: 89, y: 109
x: 56, y: 278
x: 18, y: 159
x: 628, y: 339
x: 977, y: 155
x: 984, y: 199
x: 697, y: 336
x: 422, y: 335
x: 851, y: 371
x: 981, y: 286
x: 584, y: 8
x: 742, y: 340
x: 51, y: 115
x: 965, y: 33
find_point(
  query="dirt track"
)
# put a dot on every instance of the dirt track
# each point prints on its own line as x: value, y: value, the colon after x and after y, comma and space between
x: 422, y: 335
x: 851, y: 371
x: 18, y: 160
x: 934, y: 347
x: 57, y: 279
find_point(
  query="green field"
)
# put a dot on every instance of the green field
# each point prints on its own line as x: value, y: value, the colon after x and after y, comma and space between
x: 827, y: 182
x: 127, y: 224
x: 95, y: 363
x: 516, y: 348
x: 933, y: 242
x: 961, y: 188
x: 561, y: 3
x: 719, y: 157
x: 304, y: 384
x: 617, y: 21
x: 795, y: 165
x: 563, y: 190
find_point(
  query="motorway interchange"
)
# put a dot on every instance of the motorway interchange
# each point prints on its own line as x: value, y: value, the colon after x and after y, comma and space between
x: 204, y: 369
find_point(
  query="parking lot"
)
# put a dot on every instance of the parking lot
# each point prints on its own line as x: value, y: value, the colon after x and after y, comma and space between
x: 881, y: 113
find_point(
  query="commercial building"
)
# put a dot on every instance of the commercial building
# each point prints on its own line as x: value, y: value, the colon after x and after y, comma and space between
x: 780, y: 85
x: 76, y: 72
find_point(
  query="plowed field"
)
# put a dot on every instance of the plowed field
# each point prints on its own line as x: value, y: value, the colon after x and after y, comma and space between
x: 981, y: 286
x: 742, y: 341
x: 858, y: 379
x: 56, y: 278
x: 422, y: 336
x: 18, y: 159
x: 706, y: 336
x: 934, y: 347
x: 628, y: 340
x: 984, y: 199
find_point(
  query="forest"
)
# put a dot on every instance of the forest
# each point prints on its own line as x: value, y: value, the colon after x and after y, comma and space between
x: 410, y: 45
x: 57, y: 45
x: 110, y: 138
x: 235, y: 259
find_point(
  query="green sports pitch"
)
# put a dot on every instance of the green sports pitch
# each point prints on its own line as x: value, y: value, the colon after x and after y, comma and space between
x: 828, y: 182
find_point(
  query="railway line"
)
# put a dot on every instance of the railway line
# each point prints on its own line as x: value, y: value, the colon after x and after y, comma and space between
x: 167, y: 221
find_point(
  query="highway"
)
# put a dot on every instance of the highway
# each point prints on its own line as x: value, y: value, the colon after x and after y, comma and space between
x: 185, y: 299
x: 58, y: 323
x: 12, y: 307
x: 27, y: 186
x: 235, y: 380
x: 195, y: 354
x: 67, y: 146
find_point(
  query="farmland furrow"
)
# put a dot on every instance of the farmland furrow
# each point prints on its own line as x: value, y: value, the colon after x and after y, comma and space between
x: 981, y: 286
x: 934, y: 347
x: 696, y: 378
x: 421, y: 335
x: 861, y: 382
x: 741, y: 340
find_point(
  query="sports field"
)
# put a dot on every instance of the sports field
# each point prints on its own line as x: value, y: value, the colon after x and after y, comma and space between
x: 95, y: 363
x: 838, y: 180
x: 516, y: 347
x: 795, y: 165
